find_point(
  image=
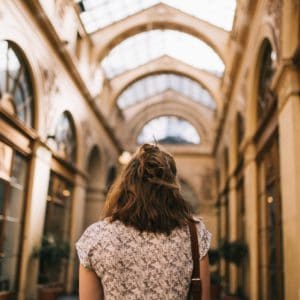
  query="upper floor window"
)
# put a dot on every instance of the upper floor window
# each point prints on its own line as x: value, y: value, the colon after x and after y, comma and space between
x: 65, y: 138
x: 16, y: 90
x: 266, y: 96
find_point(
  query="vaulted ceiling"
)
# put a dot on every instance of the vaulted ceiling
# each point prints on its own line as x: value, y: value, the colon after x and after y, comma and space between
x: 149, y: 50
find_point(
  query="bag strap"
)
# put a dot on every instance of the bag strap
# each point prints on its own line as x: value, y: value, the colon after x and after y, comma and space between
x: 195, y: 289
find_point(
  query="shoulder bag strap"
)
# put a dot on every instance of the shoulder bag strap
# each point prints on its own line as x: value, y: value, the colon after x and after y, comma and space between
x: 195, y: 288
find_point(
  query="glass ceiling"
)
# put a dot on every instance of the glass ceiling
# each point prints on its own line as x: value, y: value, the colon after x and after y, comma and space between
x: 148, y: 45
x: 96, y: 14
x: 156, y: 84
x: 169, y: 130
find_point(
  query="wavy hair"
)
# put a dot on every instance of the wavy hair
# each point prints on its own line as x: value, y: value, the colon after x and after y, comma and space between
x: 147, y: 194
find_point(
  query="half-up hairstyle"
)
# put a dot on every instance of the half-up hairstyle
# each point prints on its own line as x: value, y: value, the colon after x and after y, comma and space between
x: 147, y: 195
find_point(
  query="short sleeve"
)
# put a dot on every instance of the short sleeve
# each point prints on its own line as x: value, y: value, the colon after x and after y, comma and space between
x: 204, y: 238
x: 84, y: 246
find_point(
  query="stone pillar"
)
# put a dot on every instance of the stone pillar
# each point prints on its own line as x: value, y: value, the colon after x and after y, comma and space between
x: 232, y: 231
x: 289, y: 128
x: 233, y: 205
x: 34, y: 219
x: 77, y: 217
x: 251, y: 215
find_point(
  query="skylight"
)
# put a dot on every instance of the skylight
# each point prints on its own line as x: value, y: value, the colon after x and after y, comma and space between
x: 169, y: 130
x: 156, y: 84
x: 96, y: 14
x: 148, y: 45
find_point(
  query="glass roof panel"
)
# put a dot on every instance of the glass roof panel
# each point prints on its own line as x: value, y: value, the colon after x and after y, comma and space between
x: 148, y: 45
x: 154, y: 84
x: 169, y: 130
x: 97, y: 14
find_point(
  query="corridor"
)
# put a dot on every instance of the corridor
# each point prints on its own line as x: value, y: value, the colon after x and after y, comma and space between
x: 83, y: 83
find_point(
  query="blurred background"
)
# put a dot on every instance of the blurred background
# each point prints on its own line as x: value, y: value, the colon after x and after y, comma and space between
x: 84, y: 82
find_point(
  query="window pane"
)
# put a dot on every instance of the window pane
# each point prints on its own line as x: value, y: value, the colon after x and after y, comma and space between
x: 149, y: 45
x: 169, y: 130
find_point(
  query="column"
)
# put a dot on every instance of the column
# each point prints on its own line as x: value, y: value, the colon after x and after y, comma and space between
x: 251, y: 216
x: 289, y: 145
x: 77, y: 217
x: 34, y: 219
x: 232, y: 231
x: 232, y: 197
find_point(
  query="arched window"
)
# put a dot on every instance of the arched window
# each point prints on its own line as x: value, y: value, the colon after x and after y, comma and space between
x: 65, y: 138
x: 16, y: 90
x: 169, y: 130
x: 143, y: 47
x: 266, y: 97
x: 155, y: 84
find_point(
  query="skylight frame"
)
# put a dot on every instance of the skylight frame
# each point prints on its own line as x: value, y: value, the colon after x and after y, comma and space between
x: 217, y: 12
x: 146, y: 46
x: 153, y: 85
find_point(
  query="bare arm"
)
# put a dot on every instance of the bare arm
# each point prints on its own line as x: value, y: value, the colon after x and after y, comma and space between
x: 205, y: 278
x: 90, y: 287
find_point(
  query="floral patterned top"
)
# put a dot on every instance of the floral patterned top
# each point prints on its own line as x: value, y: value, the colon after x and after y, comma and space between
x: 136, y: 265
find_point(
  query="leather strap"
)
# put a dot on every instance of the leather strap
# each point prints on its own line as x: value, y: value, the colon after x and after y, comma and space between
x: 195, y: 288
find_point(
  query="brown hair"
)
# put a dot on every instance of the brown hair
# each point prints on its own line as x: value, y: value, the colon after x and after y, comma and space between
x: 147, y: 195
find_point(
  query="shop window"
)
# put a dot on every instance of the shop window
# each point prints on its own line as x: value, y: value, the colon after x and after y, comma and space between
x: 270, y: 223
x: 16, y: 90
x: 56, y: 229
x: 13, y: 174
x: 266, y: 97
x: 65, y: 139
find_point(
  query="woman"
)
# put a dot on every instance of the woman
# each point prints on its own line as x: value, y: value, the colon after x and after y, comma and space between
x: 141, y: 249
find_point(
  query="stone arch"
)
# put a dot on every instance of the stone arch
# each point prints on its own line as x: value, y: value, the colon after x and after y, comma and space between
x: 267, y: 34
x: 160, y: 16
x: 13, y: 35
x: 94, y: 194
x: 171, y: 98
x: 165, y: 64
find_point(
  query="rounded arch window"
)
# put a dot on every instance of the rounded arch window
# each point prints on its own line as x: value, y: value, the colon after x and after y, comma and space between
x: 16, y: 88
x: 65, y: 138
x: 169, y: 130
x: 266, y: 97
